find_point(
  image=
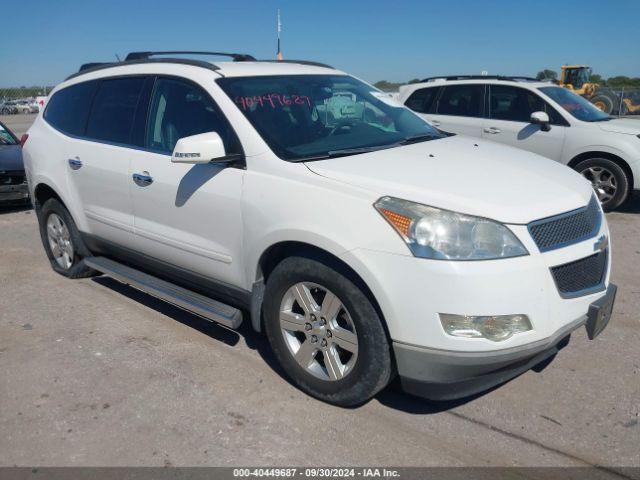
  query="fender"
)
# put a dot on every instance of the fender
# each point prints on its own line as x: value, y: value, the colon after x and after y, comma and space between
x: 42, y: 179
x: 633, y: 163
x: 253, y: 271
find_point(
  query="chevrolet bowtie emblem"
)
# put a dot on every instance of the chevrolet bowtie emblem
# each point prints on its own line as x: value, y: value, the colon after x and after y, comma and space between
x: 601, y: 244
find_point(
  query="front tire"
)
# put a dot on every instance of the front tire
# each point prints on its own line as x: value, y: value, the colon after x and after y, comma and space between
x: 603, y: 102
x: 62, y: 242
x: 325, y: 333
x: 609, y: 180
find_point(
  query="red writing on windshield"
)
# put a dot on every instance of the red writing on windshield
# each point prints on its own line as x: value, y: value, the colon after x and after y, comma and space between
x: 273, y: 100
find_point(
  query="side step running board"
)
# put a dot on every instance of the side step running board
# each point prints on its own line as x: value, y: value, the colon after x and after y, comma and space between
x: 194, y: 302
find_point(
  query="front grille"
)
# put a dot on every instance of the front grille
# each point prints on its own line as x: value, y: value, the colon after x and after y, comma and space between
x: 567, y: 228
x: 581, y: 277
x: 12, y: 178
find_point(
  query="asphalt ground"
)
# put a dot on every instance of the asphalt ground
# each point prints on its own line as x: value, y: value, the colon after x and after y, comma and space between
x: 95, y: 373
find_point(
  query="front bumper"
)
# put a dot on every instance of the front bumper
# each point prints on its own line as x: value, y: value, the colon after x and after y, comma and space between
x: 446, y: 375
x: 14, y: 193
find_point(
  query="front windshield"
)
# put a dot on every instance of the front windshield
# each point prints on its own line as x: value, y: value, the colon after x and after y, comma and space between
x: 576, y: 105
x: 5, y: 137
x: 305, y: 117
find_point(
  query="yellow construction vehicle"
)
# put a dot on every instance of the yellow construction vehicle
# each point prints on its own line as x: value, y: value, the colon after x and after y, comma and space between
x: 577, y: 78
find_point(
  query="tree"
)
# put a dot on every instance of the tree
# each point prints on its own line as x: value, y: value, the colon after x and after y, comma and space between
x: 623, y: 81
x: 547, y: 74
x: 414, y: 80
x: 595, y: 78
x: 387, y: 86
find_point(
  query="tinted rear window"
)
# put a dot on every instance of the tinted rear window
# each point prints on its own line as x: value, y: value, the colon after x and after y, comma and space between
x: 114, y: 108
x: 464, y: 100
x: 422, y: 100
x: 68, y: 109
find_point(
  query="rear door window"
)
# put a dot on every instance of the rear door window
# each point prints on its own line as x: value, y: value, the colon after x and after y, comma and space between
x: 464, y: 100
x: 68, y: 109
x: 423, y: 100
x: 114, y: 108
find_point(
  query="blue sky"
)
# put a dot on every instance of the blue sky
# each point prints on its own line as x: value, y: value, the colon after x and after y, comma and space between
x: 45, y: 40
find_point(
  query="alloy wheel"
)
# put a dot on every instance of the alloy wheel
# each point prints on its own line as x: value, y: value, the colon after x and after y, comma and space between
x: 319, y: 331
x: 603, y: 181
x: 59, y: 240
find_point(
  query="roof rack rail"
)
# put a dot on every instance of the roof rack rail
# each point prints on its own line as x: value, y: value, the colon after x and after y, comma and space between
x: 237, y: 57
x: 480, y: 77
x: 88, y: 66
x: 299, y: 62
x: 92, y: 67
x: 144, y: 57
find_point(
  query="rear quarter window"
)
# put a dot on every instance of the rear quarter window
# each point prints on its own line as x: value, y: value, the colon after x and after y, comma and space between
x: 68, y: 109
x: 423, y: 100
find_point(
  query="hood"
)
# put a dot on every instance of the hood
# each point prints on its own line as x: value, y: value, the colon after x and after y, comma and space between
x: 466, y: 175
x: 629, y: 126
x: 11, y: 158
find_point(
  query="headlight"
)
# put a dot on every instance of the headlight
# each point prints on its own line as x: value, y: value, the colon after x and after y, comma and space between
x: 444, y: 235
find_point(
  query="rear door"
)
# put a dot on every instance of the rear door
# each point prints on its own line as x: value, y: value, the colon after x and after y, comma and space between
x: 460, y: 109
x: 187, y: 216
x: 510, y: 109
x: 98, y: 163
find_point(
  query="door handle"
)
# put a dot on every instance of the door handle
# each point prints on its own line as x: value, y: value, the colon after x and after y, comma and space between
x: 492, y: 130
x: 142, y: 179
x: 75, y: 163
x: 435, y: 123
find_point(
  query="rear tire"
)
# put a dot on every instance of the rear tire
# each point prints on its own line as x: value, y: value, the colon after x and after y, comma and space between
x: 62, y: 242
x: 309, y: 347
x: 609, y: 180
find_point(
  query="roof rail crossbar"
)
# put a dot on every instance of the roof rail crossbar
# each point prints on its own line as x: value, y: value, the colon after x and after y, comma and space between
x: 479, y: 77
x: 237, y: 57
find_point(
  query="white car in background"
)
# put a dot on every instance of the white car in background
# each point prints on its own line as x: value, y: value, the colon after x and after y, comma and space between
x: 540, y: 117
x: 27, y: 106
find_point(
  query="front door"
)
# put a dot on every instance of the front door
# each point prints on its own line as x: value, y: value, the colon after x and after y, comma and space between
x: 510, y: 109
x: 188, y: 216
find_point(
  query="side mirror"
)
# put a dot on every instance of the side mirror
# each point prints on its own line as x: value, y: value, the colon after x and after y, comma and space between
x: 201, y: 148
x: 542, y: 119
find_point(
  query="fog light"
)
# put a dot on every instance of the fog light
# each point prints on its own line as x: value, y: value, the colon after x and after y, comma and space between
x: 495, y: 327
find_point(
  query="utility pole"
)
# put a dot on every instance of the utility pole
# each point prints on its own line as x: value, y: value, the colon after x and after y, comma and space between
x: 279, y: 55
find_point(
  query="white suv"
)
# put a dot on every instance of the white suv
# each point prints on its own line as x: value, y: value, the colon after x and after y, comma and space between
x: 364, y: 242
x: 540, y: 117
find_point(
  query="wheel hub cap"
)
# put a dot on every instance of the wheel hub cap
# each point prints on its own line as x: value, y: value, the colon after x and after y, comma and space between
x: 603, y: 182
x: 59, y: 240
x: 319, y: 331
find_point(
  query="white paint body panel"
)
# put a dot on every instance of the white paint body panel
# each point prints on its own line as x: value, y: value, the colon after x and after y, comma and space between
x: 218, y: 221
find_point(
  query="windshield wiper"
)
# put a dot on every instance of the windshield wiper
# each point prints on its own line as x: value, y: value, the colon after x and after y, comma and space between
x: 605, y: 119
x: 355, y: 151
x: 422, y: 137
x: 344, y: 153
